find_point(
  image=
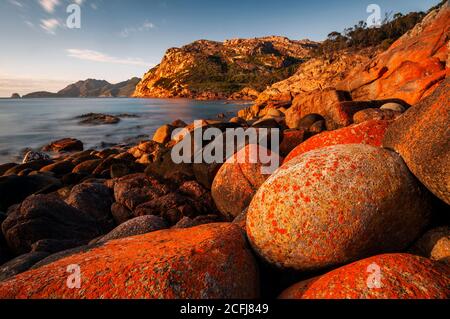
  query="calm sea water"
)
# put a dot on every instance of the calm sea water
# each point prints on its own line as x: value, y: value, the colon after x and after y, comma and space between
x: 32, y: 123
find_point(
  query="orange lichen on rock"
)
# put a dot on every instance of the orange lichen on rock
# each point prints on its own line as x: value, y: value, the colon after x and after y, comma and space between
x: 238, y: 180
x: 210, y: 261
x: 336, y: 205
x: 370, y: 132
x: 393, y: 276
x: 410, y: 67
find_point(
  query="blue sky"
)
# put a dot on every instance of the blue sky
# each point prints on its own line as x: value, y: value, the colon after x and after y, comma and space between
x: 119, y: 39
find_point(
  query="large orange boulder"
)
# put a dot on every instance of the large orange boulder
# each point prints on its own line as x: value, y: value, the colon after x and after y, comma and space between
x: 370, y: 132
x: 422, y: 137
x: 336, y: 205
x: 206, y: 262
x: 394, y: 276
x: 238, y: 180
x: 410, y: 68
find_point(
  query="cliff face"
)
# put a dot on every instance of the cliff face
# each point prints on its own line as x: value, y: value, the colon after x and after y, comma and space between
x: 216, y: 70
x: 91, y: 88
x: 317, y: 73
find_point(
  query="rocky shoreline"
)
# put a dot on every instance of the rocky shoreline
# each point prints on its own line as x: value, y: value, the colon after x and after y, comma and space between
x: 87, y: 205
x: 358, y: 209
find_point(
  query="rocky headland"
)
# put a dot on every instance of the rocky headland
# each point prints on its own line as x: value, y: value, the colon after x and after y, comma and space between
x: 91, y: 88
x: 235, y: 69
x: 358, y: 208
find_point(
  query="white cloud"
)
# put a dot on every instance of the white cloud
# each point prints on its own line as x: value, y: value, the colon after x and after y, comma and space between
x: 50, y: 25
x: 146, y: 26
x: 29, y: 23
x: 16, y: 3
x: 90, y: 55
x: 49, y: 5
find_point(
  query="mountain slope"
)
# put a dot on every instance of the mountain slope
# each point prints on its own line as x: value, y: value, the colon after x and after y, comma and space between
x: 215, y: 70
x: 87, y: 88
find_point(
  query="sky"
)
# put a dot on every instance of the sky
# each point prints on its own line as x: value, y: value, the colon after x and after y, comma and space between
x: 120, y: 39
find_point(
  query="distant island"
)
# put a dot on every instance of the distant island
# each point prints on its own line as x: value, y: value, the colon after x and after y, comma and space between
x: 89, y: 88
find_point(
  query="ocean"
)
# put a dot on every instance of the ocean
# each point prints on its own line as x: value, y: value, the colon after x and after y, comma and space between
x: 33, y: 123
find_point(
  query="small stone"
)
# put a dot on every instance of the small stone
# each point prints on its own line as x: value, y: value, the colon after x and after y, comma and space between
x: 119, y: 170
x: 396, y: 107
x: 59, y: 168
x: 317, y: 128
x: 238, y: 120
x: 188, y: 222
x: 375, y: 114
x: 167, y: 203
x: 64, y: 145
x: 178, y: 123
x: 435, y: 244
x: 29, y: 167
x: 306, y: 122
x: 87, y: 167
x: 98, y: 119
x: 32, y: 156
x: 164, y: 134
x: 266, y: 123
x: 274, y: 113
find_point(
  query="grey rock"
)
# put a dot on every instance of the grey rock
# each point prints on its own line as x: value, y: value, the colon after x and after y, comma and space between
x: 20, y: 264
x: 136, y: 226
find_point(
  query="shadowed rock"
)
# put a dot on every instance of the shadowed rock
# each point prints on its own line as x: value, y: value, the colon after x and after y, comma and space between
x: 46, y: 217
x: 422, y: 137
